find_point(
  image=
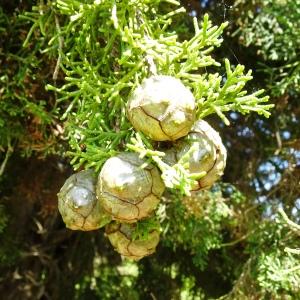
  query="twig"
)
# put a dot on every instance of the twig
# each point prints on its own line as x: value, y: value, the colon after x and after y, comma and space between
x: 235, y: 241
x: 293, y: 251
x: 279, y: 142
x: 60, y: 46
x: 152, y: 296
x: 293, y: 226
x: 7, y: 155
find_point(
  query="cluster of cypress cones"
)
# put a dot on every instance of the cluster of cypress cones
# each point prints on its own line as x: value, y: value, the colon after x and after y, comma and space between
x: 124, y: 192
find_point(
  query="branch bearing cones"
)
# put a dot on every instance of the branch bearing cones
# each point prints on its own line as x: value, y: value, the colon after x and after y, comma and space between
x: 128, y: 189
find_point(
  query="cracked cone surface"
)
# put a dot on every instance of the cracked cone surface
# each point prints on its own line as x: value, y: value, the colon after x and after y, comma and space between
x: 78, y: 204
x: 209, y: 156
x: 162, y: 108
x: 120, y: 236
x: 127, y: 191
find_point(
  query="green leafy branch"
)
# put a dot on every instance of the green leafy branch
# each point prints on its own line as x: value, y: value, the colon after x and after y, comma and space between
x: 103, y: 64
x: 93, y: 97
x: 144, y: 227
x: 215, y: 97
x: 197, y: 234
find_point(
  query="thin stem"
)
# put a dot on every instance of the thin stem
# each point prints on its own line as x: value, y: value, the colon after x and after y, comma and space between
x: 293, y: 251
x: 293, y: 226
x: 7, y: 155
x: 60, y: 46
x: 229, y: 244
